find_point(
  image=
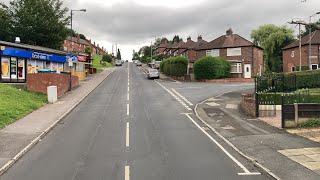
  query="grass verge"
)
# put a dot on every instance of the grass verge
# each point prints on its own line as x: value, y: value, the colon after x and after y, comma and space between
x: 15, y: 103
x: 96, y: 63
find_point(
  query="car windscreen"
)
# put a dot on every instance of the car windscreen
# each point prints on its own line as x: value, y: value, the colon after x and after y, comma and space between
x: 153, y: 71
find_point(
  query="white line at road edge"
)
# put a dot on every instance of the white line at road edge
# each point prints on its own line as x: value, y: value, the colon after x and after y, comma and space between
x: 230, y: 144
x: 247, y: 172
x: 128, y: 135
x: 127, y: 173
x: 172, y: 94
x: 128, y: 96
x: 128, y: 89
x: 182, y: 97
x: 128, y: 109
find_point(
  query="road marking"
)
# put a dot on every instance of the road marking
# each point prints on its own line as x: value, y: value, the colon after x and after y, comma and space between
x: 128, y: 89
x: 128, y: 96
x: 128, y: 83
x: 176, y: 97
x: 246, y: 171
x: 127, y: 173
x: 128, y: 109
x: 128, y: 135
x: 182, y: 97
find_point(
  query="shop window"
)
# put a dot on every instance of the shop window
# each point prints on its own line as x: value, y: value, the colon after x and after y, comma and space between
x: 236, y: 68
x: 13, y: 68
x: 21, y: 69
x: 5, y: 67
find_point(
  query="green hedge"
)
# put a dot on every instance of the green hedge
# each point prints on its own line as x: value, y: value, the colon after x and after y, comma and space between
x: 288, y: 82
x: 174, y: 66
x: 211, y: 68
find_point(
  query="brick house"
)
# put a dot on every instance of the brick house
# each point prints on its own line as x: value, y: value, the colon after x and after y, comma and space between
x: 190, y: 52
x: 246, y: 58
x: 291, y: 57
x: 78, y: 45
x: 160, y: 50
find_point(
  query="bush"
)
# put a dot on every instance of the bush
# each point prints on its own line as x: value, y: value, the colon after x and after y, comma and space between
x: 211, y: 68
x: 174, y: 66
x: 107, y: 58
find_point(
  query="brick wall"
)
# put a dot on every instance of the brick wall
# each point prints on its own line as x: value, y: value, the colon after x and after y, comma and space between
x: 248, y: 104
x: 40, y: 81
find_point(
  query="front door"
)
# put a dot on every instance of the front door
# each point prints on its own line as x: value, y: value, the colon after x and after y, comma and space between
x: 247, y: 71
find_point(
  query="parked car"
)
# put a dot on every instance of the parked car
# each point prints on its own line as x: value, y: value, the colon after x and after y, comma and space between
x: 139, y: 63
x: 153, y: 73
x: 135, y: 61
x: 118, y: 63
x: 122, y: 61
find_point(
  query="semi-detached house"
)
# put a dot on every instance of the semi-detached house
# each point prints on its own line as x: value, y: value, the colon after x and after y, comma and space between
x: 246, y: 58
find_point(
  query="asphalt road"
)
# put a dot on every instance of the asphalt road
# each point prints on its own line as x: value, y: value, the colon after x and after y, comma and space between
x: 134, y: 129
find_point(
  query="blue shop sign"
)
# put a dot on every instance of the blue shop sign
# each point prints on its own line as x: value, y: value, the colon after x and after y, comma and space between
x: 74, y: 58
x: 32, y: 55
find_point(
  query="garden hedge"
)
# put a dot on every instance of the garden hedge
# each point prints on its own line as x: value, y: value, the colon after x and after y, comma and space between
x: 211, y: 68
x: 174, y: 66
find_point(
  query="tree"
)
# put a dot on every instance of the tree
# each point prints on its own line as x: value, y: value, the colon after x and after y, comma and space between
x: 313, y: 28
x: 135, y: 56
x: 272, y: 39
x: 5, y: 25
x: 107, y: 58
x: 88, y: 50
x: 176, y: 38
x: 82, y: 36
x: 40, y: 22
x: 119, y: 54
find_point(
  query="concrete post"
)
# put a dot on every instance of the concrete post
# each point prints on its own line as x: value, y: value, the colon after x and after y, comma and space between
x: 296, y: 113
x: 52, y: 93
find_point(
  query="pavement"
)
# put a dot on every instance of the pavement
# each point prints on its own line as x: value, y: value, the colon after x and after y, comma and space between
x: 130, y: 127
x: 19, y: 137
x: 284, y: 155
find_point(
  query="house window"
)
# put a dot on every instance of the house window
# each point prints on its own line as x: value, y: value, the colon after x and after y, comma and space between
x: 236, y: 67
x: 233, y: 51
x: 213, y: 52
x: 292, y: 54
x: 292, y: 68
x: 314, y: 66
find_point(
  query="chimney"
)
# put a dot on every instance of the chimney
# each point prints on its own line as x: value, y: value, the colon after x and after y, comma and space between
x: 229, y: 32
x: 199, y: 37
x: 189, y: 38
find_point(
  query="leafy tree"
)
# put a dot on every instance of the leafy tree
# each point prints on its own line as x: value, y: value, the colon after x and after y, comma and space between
x: 313, y: 28
x: 5, y: 25
x: 176, y: 38
x: 135, y: 56
x: 272, y: 39
x: 119, y: 54
x: 82, y: 36
x: 88, y: 50
x: 40, y: 22
x: 107, y: 58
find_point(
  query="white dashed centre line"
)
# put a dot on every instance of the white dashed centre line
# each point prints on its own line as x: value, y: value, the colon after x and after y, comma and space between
x: 128, y: 109
x: 127, y: 173
x: 128, y: 135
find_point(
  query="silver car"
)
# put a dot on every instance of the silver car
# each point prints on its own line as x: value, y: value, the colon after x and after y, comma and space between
x: 118, y: 63
x: 153, y: 73
x: 139, y: 63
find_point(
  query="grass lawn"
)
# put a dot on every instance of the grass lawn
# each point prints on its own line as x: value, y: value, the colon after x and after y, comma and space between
x: 96, y: 63
x: 15, y: 103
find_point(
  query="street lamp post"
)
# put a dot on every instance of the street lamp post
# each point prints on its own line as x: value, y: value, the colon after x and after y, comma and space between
x: 70, y: 50
x: 309, y: 56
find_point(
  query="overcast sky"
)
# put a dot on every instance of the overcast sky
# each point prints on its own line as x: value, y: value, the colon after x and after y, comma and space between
x: 134, y: 23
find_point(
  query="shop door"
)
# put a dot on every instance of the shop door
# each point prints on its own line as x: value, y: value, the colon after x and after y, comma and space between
x: 247, y: 71
x: 21, y: 69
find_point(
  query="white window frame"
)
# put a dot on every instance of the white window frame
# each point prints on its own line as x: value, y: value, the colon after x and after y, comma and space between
x: 315, y: 65
x: 213, y: 52
x: 234, y: 51
x: 238, y: 66
x: 292, y: 53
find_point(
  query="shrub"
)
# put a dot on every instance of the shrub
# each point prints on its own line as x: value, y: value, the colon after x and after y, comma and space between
x: 211, y: 68
x: 107, y: 58
x: 174, y: 66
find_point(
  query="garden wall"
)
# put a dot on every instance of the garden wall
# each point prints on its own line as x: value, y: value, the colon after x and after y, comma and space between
x: 40, y: 81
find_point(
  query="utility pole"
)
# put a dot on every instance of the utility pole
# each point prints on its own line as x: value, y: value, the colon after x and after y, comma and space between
x: 299, y: 23
x: 151, y: 51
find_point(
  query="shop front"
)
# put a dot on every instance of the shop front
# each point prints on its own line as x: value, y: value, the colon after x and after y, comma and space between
x: 16, y: 63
